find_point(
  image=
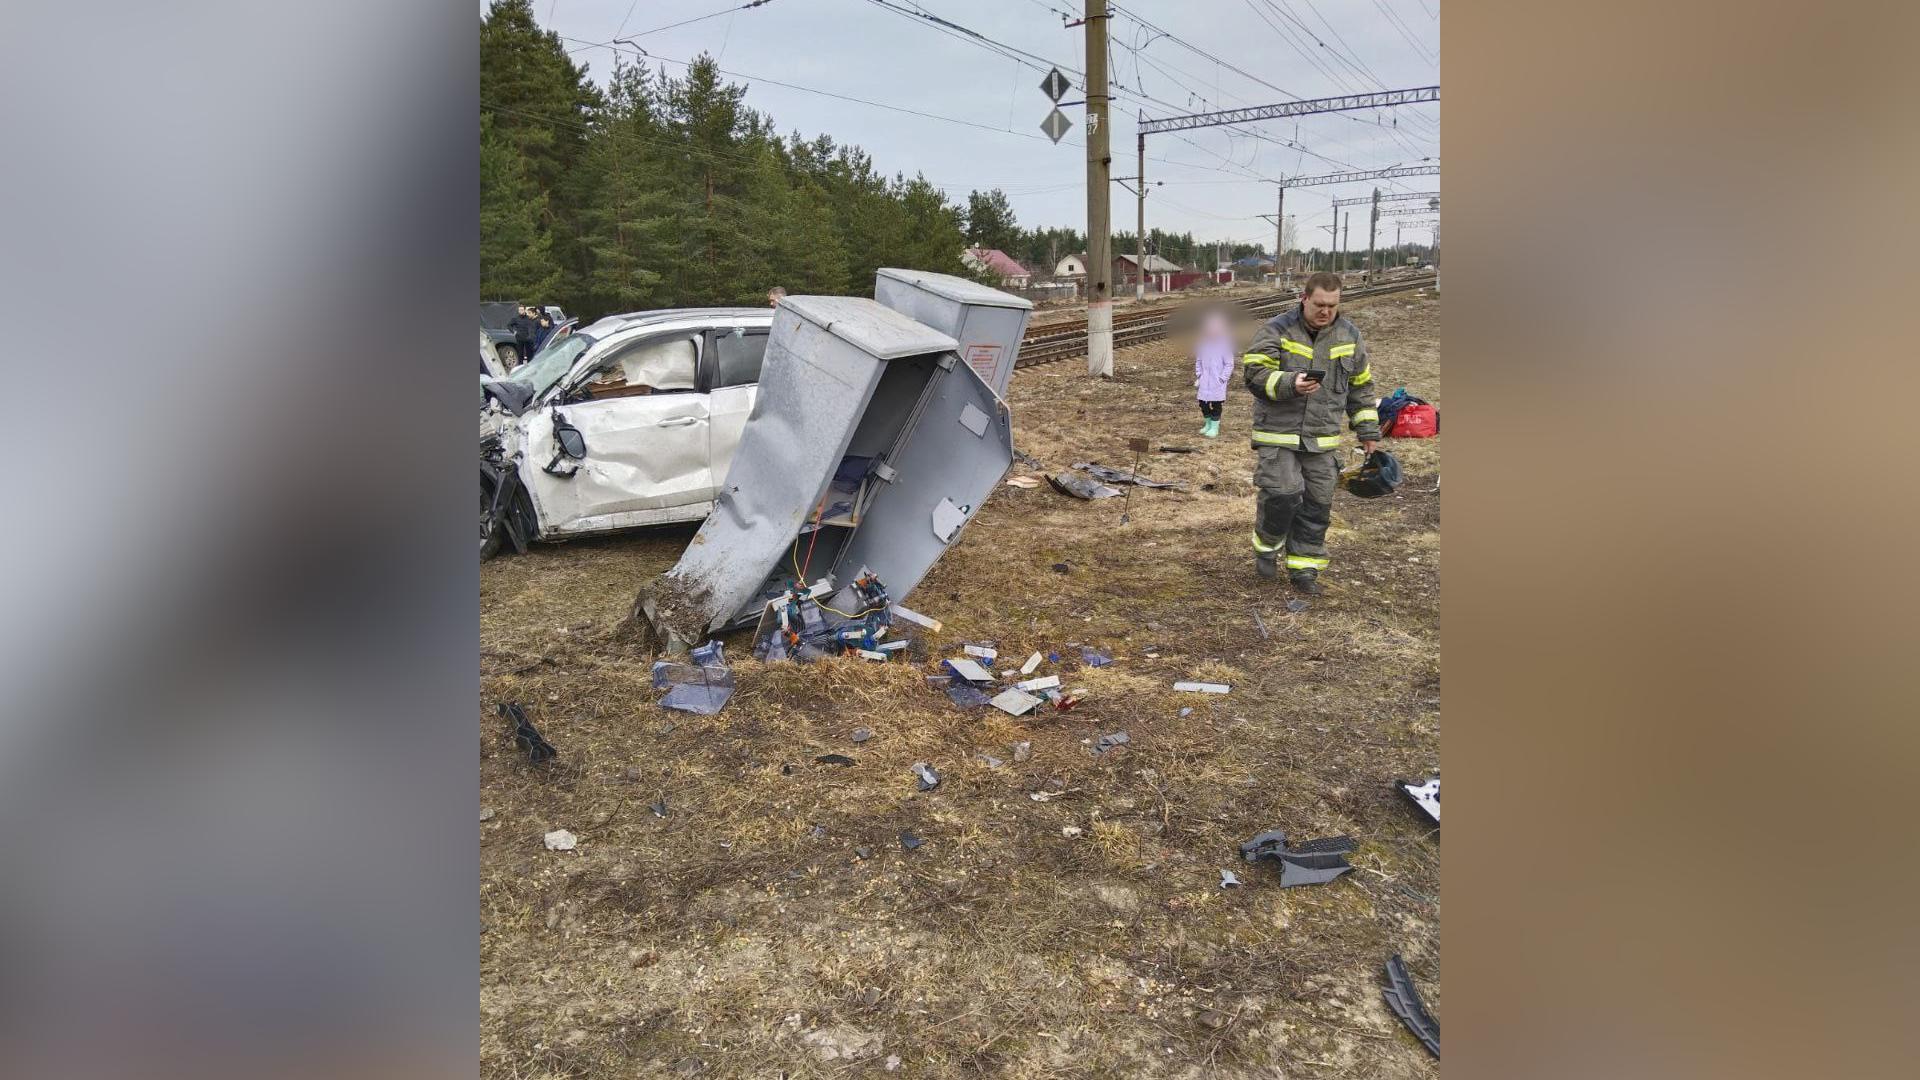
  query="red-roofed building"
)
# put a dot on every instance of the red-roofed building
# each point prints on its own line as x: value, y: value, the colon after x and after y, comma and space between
x: 995, y: 261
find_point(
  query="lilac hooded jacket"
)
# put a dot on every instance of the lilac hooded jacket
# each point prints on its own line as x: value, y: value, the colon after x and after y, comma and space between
x: 1213, y: 366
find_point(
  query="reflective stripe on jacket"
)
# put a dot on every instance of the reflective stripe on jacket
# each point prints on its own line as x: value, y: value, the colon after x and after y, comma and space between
x: 1310, y: 422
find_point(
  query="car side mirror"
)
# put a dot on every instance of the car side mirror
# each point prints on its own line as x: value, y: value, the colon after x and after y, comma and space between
x: 572, y: 443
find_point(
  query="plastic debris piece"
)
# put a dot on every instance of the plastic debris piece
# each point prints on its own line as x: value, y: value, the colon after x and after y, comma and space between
x: 1070, y: 831
x: 561, y: 840
x: 863, y: 853
x: 1043, y: 796
x: 861, y: 734
x: 1028, y: 460
x: 872, y: 654
x: 1314, y: 862
x: 1032, y: 662
x: 983, y: 652
x: 1262, y: 627
x: 893, y: 646
x: 928, y: 778
x: 659, y: 807
x: 702, y: 687
x: 1186, y: 710
x: 1095, y: 658
x: 1022, y: 482
x: 1296, y: 605
x: 1203, y: 687
x: 916, y: 618
x: 1022, y: 751
x: 1045, y: 682
x: 1228, y: 879
x: 966, y: 695
x: 833, y: 759
x: 525, y: 734
x: 910, y: 841
x: 1425, y: 794
x: 991, y: 761
x: 1108, y: 742
x: 969, y: 670
x: 1062, y: 568
x: 1080, y: 487
x: 1015, y: 702
x: 1404, y: 1001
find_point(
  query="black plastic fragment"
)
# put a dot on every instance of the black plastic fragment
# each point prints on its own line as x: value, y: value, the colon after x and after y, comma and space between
x: 1405, y: 1002
x: 833, y: 759
x: 910, y: 841
x: 525, y: 734
x: 1312, y: 862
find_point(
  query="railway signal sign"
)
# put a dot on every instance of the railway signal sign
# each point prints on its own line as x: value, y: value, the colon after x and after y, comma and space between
x: 1056, y: 86
x: 1055, y: 125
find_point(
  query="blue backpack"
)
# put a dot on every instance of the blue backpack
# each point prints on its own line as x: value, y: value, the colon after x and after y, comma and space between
x: 1391, y: 405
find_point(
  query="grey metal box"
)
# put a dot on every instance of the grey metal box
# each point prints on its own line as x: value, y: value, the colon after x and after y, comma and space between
x: 986, y: 322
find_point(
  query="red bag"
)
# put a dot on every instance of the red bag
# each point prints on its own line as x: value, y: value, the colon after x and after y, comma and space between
x: 1415, y: 422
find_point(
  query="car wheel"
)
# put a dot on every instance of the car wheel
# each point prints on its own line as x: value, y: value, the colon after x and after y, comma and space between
x: 492, y: 532
x: 509, y: 355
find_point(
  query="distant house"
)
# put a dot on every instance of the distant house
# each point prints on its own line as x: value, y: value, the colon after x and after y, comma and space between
x: 1159, y: 272
x: 995, y: 261
x: 1073, y: 266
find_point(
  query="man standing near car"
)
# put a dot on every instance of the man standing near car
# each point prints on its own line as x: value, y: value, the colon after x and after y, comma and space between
x: 1306, y: 368
x: 526, y: 330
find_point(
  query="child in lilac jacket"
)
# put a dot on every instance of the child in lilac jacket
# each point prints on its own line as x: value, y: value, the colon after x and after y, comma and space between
x: 1213, y: 364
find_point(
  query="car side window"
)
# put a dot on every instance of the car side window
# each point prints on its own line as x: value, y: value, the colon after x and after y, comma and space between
x: 737, y: 357
x: 655, y: 366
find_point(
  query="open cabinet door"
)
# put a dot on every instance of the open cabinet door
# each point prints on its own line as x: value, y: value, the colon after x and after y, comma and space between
x: 945, y: 466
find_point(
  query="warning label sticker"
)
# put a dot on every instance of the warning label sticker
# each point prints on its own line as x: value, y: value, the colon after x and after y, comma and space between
x: 983, y: 359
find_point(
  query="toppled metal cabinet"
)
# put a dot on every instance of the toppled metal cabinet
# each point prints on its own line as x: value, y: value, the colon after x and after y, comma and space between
x: 987, y: 323
x: 870, y: 447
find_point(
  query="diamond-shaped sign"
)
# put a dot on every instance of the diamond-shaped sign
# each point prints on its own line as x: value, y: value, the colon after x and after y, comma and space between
x: 1055, y: 125
x: 1055, y: 85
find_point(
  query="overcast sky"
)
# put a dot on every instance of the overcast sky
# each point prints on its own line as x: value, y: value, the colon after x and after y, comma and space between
x: 859, y: 49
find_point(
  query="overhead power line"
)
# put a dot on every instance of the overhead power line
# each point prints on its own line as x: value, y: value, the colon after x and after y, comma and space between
x: 690, y: 22
x: 1292, y: 108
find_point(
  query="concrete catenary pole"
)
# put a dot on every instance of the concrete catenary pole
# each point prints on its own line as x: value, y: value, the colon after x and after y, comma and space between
x: 1373, y: 223
x: 1346, y: 238
x: 1099, y: 173
x: 1140, y: 214
x: 1280, y: 234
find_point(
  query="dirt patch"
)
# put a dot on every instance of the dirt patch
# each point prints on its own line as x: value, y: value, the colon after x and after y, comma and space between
x: 772, y: 919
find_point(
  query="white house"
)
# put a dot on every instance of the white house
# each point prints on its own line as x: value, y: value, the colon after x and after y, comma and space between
x: 1071, y: 266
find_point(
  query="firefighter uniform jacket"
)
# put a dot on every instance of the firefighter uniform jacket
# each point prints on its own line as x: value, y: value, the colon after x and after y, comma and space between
x: 1308, y: 422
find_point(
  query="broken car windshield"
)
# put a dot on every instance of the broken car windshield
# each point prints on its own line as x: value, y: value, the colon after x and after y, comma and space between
x: 546, y: 368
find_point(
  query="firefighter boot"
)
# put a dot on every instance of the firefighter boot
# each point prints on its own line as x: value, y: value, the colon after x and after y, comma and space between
x: 1267, y: 565
x: 1306, y: 581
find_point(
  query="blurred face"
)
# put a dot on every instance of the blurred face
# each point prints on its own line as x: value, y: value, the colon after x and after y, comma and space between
x: 1319, y: 307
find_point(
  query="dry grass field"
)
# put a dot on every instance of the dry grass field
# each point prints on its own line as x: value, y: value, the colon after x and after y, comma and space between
x: 772, y: 924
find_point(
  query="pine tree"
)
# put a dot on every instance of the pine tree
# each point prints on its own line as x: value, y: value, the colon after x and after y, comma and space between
x: 626, y: 224
x: 516, y: 260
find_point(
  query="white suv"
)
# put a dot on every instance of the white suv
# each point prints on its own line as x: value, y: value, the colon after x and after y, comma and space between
x: 630, y: 421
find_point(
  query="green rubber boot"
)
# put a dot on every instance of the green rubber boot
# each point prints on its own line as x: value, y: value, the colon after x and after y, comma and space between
x: 1211, y: 429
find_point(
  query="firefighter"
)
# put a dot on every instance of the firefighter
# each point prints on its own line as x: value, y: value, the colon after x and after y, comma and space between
x: 1296, y: 426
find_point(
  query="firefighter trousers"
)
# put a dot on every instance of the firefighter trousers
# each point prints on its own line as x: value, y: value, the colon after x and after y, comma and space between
x: 1295, y: 504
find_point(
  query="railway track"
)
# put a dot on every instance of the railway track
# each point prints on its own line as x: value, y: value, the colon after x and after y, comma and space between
x: 1053, y: 343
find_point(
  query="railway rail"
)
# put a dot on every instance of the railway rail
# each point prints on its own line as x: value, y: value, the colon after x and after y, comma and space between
x: 1053, y: 343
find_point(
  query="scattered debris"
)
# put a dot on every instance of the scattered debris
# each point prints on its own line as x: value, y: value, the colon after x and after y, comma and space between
x: 1405, y: 1002
x: 1121, y: 476
x: 1045, y: 682
x: 1032, y: 663
x: 863, y: 853
x: 1070, y: 831
x: 486, y: 813
x: 969, y: 670
x: 917, y: 619
x: 991, y: 761
x: 1043, y: 796
x: 1108, y: 742
x: 1179, y: 449
x: 818, y: 832
x: 982, y: 651
x: 701, y: 687
x: 893, y: 1063
x: 1314, y: 862
x: 1203, y: 687
x: 1094, y: 658
x: 1426, y: 795
x: 928, y: 778
x: 659, y: 807
x: 910, y: 841
x: 1080, y: 487
x: 1062, y: 568
x: 525, y: 734
x: 966, y: 695
x: 841, y: 1044
x: 1022, y: 751
x: 1262, y: 627
x: 1022, y: 482
x: 1186, y: 710
x: 1295, y: 605
x: 833, y: 759
x: 1015, y: 702
x: 1028, y: 460
x: 1228, y: 879
x: 561, y: 840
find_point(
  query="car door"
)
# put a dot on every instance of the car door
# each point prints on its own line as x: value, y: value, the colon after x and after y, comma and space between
x: 644, y: 422
x: 732, y: 377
